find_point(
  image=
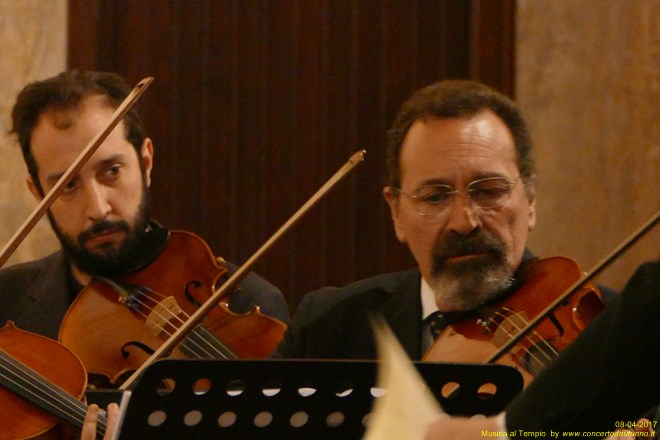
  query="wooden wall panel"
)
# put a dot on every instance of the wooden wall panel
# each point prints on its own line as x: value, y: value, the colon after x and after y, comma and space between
x: 256, y: 104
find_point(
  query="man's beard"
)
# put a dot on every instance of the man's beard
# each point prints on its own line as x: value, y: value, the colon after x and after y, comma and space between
x: 466, y: 285
x: 106, y: 260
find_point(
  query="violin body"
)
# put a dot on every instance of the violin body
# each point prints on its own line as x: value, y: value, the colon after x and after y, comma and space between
x: 114, y: 325
x: 475, y: 339
x: 21, y: 418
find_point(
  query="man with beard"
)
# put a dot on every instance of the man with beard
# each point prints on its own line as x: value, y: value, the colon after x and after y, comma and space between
x: 600, y: 383
x: 461, y: 196
x: 101, y: 218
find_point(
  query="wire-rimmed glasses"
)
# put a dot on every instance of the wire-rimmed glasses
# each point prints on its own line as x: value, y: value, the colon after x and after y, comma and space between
x: 488, y: 193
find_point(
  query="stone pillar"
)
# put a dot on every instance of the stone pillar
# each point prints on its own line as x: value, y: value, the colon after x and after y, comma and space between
x: 588, y: 80
x: 33, y: 46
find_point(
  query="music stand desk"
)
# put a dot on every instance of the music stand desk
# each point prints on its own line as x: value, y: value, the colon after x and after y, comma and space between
x: 319, y: 399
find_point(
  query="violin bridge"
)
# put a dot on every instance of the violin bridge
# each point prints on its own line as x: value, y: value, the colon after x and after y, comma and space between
x: 162, y: 314
x: 508, y: 327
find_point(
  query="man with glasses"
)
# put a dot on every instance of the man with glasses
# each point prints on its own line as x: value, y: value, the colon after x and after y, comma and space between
x: 461, y: 196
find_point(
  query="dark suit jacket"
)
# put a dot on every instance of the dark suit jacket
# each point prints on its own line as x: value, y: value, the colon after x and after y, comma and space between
x: 333, y: 323
x: 610, y: 373
x: 36, y: 295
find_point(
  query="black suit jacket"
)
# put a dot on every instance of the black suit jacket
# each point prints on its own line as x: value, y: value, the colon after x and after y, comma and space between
x: 35, y: 295
x: 610, y: 373
x: 333, y: 323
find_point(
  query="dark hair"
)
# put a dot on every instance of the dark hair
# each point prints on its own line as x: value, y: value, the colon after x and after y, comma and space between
x: 66, y: 91
x: 458, y: 98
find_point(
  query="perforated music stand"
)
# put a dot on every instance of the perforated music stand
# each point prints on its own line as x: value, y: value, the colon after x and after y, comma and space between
x: 289, y: 399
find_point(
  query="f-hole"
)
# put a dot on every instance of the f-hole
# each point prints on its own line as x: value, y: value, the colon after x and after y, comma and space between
x: 196, y: 284
x: 144, y: 347
x: 557, y: 324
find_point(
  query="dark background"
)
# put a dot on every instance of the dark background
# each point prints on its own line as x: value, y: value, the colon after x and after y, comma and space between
x: 256, y: 103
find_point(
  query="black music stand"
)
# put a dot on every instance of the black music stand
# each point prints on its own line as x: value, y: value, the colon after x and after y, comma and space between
x: 293, y: 399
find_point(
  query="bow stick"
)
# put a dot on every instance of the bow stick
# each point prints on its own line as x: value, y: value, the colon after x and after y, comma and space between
x: 73, y: 169
x: 203, y: 310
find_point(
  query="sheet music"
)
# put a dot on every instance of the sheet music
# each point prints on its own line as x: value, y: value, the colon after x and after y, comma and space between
x: 408, y: 405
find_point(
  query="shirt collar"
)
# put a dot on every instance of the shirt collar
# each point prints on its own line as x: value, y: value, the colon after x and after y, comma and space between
x: 428, y: 299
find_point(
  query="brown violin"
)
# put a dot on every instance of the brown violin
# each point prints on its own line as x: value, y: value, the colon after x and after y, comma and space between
x: 41, y: 384
x: 134, y: 298
x: 482, y: 334
x: 114, y: 325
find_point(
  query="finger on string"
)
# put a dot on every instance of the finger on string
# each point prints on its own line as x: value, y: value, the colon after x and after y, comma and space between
x: 89, y: 425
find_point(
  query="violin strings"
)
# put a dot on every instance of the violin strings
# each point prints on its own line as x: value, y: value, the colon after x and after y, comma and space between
x: 207, y: 337
x: 27, y: 380
x: 129, y: 296
x: 168, y: 319
x: 541, y: 344
x: 199, y: 336
x: 531, y: 341
x: 547, y: 344
x: 33, y: 384
x: 532, y: 356
x: 541, y: 340
x: 200, y: 343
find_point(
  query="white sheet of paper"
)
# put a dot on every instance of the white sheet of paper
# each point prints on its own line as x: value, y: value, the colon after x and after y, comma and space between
x: 408, y: 405
x: 123, y: 404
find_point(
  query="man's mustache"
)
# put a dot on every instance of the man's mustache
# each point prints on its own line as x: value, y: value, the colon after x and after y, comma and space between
x: 100, y: 228
x: 479, y: 242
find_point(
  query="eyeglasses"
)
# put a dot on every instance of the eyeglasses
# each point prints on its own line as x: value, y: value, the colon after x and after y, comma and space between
x: 488, y: 193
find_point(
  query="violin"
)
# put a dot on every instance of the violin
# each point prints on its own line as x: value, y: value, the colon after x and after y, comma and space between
x: 242, y: 271
x: 114, y: 324
x: 41, y: 385
x: 518, y: 342
x: 488, y: 328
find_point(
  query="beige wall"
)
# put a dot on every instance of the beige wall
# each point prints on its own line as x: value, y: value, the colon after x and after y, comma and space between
x: 33, y: 46
x: 588, y: 79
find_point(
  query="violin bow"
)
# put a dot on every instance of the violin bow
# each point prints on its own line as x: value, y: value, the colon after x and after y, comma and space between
x: 73, y: 169
x: 203, y: 310
x: 598, y: 268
